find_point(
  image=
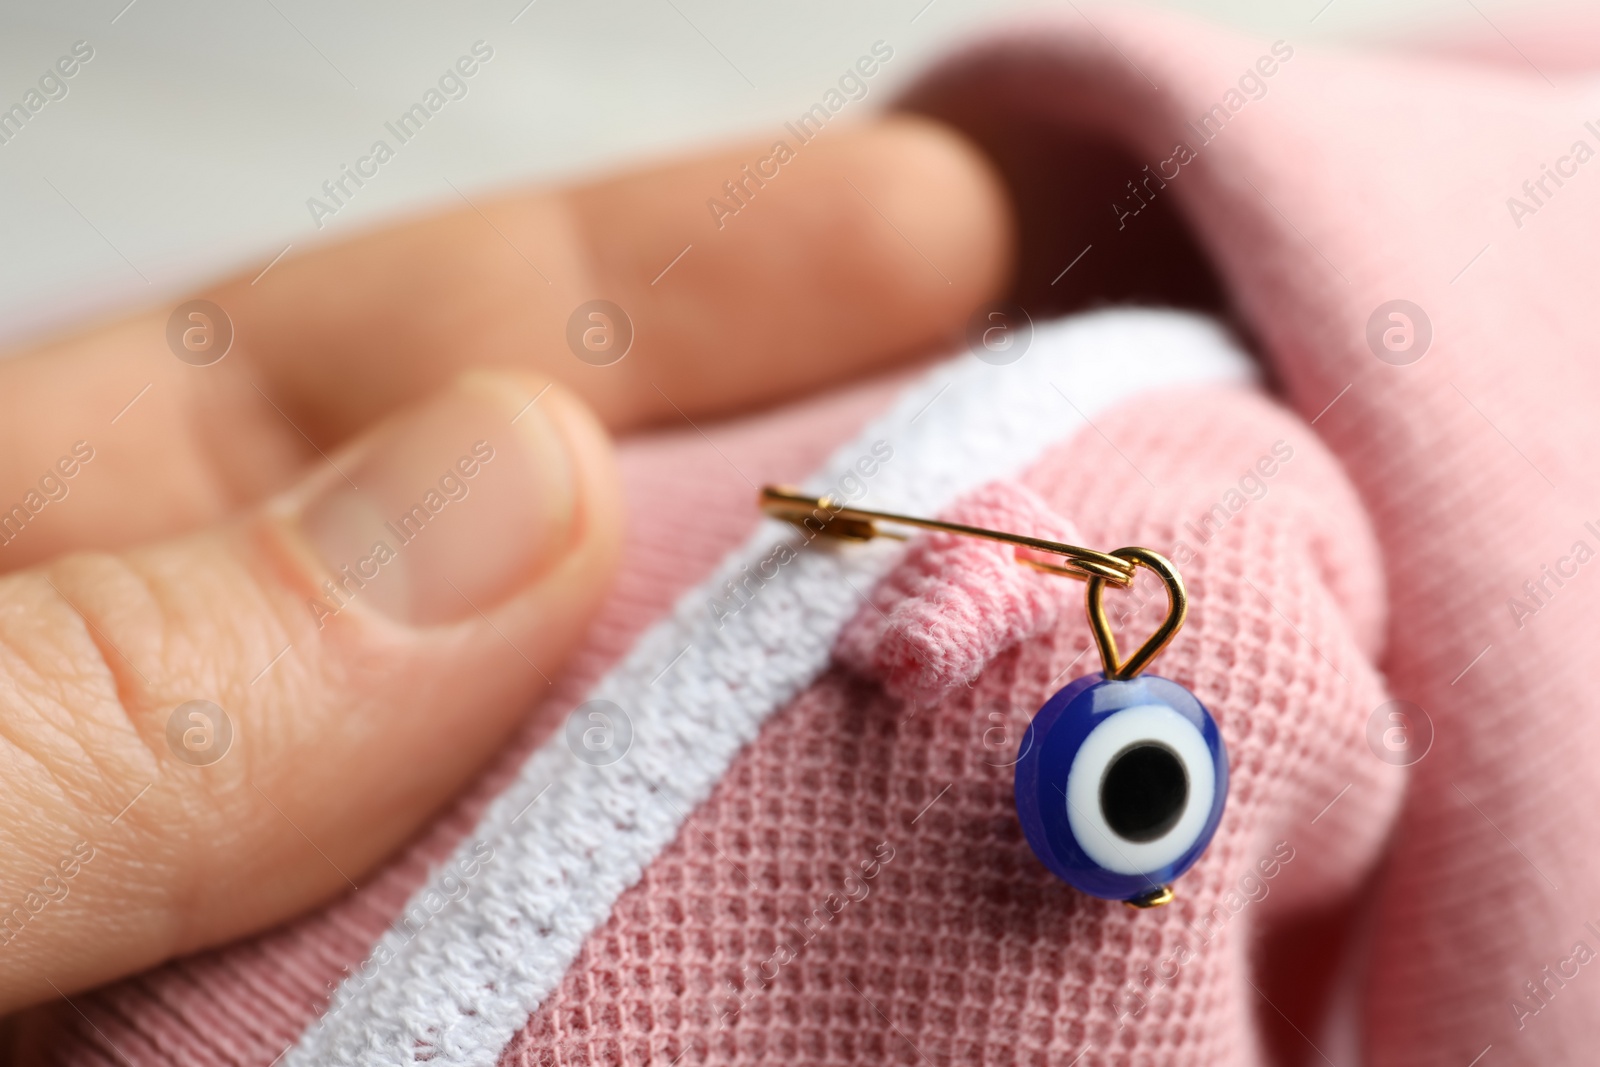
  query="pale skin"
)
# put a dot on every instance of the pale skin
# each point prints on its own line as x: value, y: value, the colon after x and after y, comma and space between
x: 186, y: 553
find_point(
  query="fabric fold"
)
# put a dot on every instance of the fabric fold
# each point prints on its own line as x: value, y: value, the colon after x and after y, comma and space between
x: 1353, y: 188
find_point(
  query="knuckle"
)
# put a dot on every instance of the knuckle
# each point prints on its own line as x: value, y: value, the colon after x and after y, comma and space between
x: 64, y: 701
x: 114, y: 675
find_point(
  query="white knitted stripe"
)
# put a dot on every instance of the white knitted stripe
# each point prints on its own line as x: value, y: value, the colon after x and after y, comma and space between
x: 455, y: 991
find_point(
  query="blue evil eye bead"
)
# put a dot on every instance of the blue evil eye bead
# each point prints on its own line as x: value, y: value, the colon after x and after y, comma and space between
x: 1121, y: 785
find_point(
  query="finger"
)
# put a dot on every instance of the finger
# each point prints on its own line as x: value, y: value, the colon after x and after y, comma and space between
x: 861, y: 248
x: 370, y: 637
x: 867, y: 246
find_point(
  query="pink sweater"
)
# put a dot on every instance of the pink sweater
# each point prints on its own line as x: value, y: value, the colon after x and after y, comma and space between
x: 1423, y: 537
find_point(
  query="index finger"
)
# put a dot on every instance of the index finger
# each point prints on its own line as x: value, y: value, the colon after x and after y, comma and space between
x: 743, y: 277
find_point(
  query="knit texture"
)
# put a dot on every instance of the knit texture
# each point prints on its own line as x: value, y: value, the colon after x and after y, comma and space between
x: 954, y: 603
x: 1349, y: 182
x: 963, y: 949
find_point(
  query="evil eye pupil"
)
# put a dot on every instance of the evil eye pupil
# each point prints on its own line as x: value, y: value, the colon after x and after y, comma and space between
x: 1144, y: 792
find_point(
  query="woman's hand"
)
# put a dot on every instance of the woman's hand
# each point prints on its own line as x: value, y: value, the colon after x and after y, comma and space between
x: 259, y: 618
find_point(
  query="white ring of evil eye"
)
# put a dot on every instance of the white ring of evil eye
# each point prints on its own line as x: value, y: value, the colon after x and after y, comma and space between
x: 1147, y: 724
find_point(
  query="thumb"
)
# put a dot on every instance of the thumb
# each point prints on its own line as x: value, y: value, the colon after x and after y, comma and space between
x: 202, y: 737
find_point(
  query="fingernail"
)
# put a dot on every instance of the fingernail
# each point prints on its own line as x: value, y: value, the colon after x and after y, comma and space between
x: 448, y: 511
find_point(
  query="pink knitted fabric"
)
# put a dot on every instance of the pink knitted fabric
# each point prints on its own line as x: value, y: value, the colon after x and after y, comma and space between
x: 965, y: 950
x: 1349, y: 183
x: 1315, y: 195
x: 954, y: 603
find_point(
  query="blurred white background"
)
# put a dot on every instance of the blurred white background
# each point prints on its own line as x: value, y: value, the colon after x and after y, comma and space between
x: 188, y: 146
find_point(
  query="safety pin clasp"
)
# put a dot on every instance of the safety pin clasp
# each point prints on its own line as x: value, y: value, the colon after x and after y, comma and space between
x: 816, y: 514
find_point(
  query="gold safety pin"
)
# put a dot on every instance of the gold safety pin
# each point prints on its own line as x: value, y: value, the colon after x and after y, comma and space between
x: 828, y: 518
x: 825, y: 517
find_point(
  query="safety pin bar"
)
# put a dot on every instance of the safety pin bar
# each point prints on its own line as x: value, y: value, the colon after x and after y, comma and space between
x: 827, y: 518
